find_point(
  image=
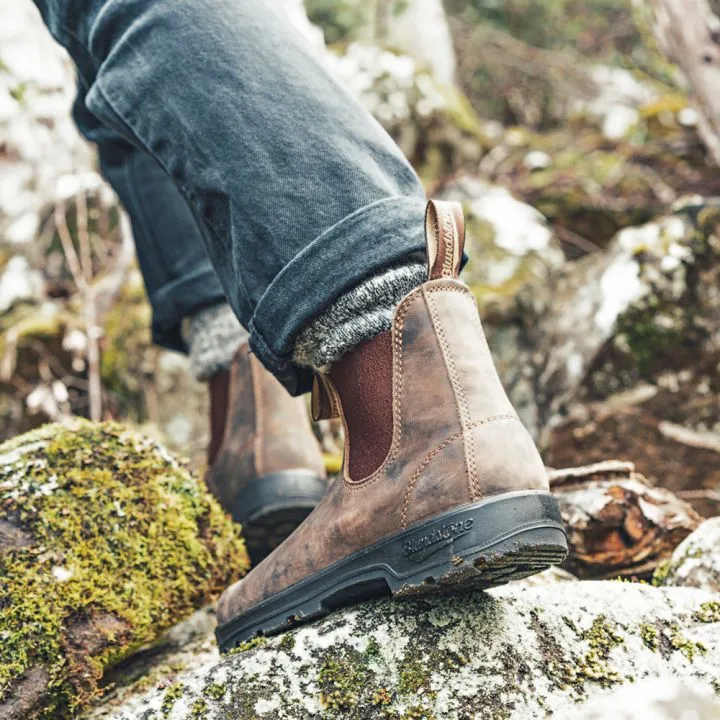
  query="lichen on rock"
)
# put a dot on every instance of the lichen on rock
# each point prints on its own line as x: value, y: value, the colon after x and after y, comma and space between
x: 696, y: 561
x: 513, y: 653
x: 105, y: 542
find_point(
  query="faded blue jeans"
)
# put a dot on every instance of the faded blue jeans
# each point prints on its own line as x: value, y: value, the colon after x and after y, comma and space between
x: 179, y: 278
x: 297, y: 192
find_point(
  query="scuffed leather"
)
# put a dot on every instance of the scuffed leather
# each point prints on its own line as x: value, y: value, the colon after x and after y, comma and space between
x: 266, y: 431
x: 456, y: 439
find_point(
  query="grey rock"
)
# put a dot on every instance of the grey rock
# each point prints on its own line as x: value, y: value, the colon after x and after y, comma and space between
x: 696, y: 561
x: 662, y: 699
x: 513, y: 653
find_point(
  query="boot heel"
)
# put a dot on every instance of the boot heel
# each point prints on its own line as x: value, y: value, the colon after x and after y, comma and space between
x: 481, y: 545
x: 270, y: 507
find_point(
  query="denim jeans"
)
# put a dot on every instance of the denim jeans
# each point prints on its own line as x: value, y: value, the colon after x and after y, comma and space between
x: 178, y: 276
x: 296, y: 191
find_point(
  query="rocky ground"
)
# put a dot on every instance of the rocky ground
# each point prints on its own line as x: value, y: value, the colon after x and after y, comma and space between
x: 518, y: 652
x: 106, y: 542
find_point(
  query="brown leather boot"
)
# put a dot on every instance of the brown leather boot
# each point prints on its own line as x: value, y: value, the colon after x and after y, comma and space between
x: 265, y: 464
x: 441, y: 486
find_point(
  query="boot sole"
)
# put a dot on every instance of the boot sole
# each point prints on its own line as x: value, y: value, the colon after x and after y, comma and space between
x: 476, y: 546
x: 270, y: 507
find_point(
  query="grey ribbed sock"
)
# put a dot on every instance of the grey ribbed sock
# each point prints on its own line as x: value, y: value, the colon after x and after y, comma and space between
x: 213, y: 335
x: 359, y: 315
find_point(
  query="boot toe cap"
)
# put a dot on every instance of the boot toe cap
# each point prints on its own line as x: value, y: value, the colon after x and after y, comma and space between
x: 231, y: 603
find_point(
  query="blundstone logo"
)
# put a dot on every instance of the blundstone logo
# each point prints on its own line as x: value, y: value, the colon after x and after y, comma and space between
x: 448, y: 234
x: 437, y: 539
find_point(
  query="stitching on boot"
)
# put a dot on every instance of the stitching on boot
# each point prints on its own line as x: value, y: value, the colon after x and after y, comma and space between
x: 460, y: 399
x: 397, y: 338
x: 433, y: 453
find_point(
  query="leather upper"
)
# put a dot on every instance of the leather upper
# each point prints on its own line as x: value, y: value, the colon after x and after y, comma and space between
x: 266, y: 431
x: 455, y: 439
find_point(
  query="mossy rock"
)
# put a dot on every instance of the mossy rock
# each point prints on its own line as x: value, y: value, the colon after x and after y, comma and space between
x: 105, y: 542
x: 634, y: 354
x: 513, y: 653
x: 696, y: 563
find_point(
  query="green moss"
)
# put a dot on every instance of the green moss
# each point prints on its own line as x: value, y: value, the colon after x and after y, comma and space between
x: 171, y: 696
x: 417, y: 712
x: 453, y: 660
x: 650, y: 636
x: 372, y: 649
x: 709, y: 612
x: 687, y: 647
x: 413, y: 675
x: 594, y: 664
x: 663, y: 569
x: 123, y: 543
x: 340, y: 684
x: 287, y: 643
x: 646, y: 339
x: 661, y: 573
x: 574, y: 671
x: 251, y: 644
x: 199, y: 710
x: 18, y: 92
x: 215, y: 691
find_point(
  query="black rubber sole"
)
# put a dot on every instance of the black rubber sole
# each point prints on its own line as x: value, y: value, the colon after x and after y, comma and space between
x: 270, y: 507
x: 476, y: 546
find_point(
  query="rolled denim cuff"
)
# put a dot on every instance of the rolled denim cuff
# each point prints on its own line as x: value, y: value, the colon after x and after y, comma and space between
x: 360, y: 245
x: 179, y: 299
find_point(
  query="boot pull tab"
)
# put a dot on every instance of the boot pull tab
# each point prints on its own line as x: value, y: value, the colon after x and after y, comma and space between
x: 323, y: 405
x: 445, y: 237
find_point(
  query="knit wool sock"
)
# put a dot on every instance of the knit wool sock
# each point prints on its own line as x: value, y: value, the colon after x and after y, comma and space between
x: 213, y: 336
x: 359, y: 315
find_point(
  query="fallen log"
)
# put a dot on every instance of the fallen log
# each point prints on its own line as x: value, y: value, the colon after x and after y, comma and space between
x: 618, y: 524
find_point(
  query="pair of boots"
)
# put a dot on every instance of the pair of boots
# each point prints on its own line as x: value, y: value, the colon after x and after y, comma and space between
x: 441, y: 485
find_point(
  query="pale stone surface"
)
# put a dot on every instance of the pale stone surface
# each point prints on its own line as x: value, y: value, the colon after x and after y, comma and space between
x: 517, y: 652
x: 696, y: 561
x: 19, y: 283
x: 421, y: 29
x: 653, y: 700
x: 617, y: 100
x: 508, y: 241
